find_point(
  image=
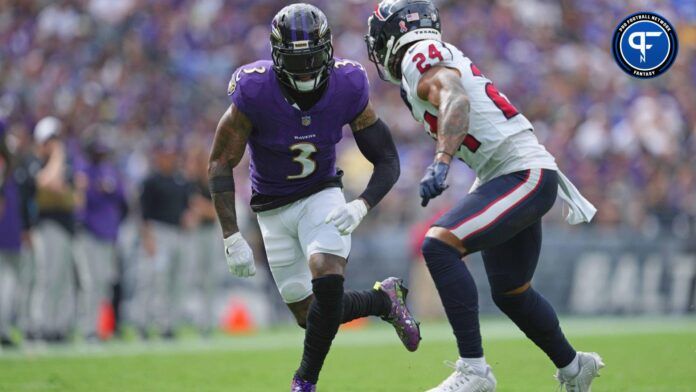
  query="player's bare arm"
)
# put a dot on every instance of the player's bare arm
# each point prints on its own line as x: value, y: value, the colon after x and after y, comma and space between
x: 228, y: 148
x: 443, y: 88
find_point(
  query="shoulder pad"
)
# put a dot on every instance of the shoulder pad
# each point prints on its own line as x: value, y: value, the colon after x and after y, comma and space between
x: 353, y: 72
x: 253, y: 73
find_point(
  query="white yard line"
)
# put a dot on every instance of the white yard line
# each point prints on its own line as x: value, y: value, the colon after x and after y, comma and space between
x: 492, y: 329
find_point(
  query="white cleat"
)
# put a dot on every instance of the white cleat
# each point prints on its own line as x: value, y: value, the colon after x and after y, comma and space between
x: 590, y: 363
x: 464, y: 379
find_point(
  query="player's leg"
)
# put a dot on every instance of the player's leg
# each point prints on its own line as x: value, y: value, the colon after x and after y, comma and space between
x: 386, y: 299
x: 291, y: 273
x: 356, y: 303
x: 510, y: 267
x: 457, y: 290
x: 493, y: 213
x: 327, y: 251
x: 300, y: 310
x: 286, y: 260
x: 325, y: 312
x: 292, y: 233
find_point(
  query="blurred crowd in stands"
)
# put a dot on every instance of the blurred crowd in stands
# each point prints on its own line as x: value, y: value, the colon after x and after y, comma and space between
x: 108, y: 109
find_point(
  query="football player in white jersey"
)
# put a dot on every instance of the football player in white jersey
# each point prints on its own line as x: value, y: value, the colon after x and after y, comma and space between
x: 517, y: 183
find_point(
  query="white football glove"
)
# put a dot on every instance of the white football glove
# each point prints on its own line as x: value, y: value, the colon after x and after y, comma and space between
x: 239, y: 256
x: 348, y: 216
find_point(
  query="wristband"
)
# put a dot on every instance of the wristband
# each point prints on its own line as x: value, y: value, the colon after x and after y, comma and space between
x: 221, y: 184
x: 444, y: 152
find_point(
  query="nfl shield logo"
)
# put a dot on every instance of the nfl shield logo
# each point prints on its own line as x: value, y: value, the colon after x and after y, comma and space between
x: 306, y: 120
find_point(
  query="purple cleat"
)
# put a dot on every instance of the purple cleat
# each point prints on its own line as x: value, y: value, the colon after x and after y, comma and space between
x: 300, y: 385
x: 400, y: 317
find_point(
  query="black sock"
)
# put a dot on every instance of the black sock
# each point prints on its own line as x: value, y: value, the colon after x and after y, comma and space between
x: 323, y: 320
x: 357, y: 304
x: 458, y: 293
x: 534, y: 315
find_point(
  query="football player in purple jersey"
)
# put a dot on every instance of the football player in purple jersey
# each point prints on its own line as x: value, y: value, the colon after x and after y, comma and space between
x: 290, y: 111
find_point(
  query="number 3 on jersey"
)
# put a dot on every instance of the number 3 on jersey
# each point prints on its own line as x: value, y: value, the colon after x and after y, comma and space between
x: 304, y: 158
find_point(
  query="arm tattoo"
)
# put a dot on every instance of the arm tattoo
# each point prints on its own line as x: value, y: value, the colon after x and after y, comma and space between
x: 228, y: 148
x: 454, y: 121
x: 445, y: 91
x: 365, y: 119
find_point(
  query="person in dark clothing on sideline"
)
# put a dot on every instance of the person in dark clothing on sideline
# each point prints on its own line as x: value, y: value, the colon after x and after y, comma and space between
x: 165, y: 212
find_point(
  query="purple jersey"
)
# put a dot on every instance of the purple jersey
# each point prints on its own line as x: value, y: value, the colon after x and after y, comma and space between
x: 293, y: 151
x: 10, y: 217
x: 105, y: 205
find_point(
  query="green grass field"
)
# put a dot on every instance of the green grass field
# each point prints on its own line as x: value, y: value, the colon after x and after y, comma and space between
x: 641, y: 355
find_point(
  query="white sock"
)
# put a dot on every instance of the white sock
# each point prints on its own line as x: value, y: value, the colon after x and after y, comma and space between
x: 571, y: 370
x: 478, y: 365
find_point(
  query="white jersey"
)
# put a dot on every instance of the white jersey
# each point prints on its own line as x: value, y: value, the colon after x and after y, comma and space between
x: 500, y: 139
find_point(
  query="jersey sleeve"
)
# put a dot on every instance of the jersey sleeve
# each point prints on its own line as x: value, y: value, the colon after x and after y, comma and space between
x: 247, y: 87
x: 421, y: 57
x: 360, y: 88
x: 235, y: 92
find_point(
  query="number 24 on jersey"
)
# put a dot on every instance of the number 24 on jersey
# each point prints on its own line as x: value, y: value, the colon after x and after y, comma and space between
x: 498, y: 99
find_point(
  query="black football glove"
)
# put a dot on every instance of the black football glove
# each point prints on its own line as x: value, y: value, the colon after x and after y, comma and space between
x: 433, y: 183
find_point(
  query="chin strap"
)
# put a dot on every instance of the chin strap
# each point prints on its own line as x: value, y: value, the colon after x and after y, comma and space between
x: 387, y: 74
x: 308, y: 85
x: 305, y: 86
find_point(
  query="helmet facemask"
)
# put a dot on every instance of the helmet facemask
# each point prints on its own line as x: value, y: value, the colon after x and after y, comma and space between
x: 302, y: 64
x: 303, y: 70
x: 379, y: 51
x: 393, y: 27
